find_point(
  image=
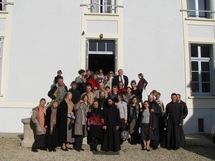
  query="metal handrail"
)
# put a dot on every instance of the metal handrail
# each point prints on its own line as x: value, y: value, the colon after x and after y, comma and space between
x: 7, y: 3
x: 183, y: 10
x: 87, y: 5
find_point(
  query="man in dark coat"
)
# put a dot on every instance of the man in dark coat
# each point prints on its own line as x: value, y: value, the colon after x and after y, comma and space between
x: 111, y: 140
x: 183, y: 105
x: 76, y: 95
x: 174, y: 118
x: 156, y: 109
x: 120, y: 77
x: 82, y: 86
x: 184, y: 112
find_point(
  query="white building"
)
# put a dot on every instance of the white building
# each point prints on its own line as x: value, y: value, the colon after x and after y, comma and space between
x: 171, y: 42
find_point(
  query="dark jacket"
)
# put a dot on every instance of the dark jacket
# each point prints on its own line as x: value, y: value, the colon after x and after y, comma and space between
x: 76, y: 95
x: 142, y: 84
x: 52, y: 92
x: 115, y: 81
x: 51, y: 139
x: 62, y: 121
x: 184, y: 109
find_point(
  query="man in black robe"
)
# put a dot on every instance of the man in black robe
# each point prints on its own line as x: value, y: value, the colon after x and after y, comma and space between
x: 174, y: 119
x: 101, y: 100
x: 111, y: 140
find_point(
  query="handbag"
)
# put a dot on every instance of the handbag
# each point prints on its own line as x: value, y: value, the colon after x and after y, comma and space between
x: 71, y: 124
x: 125, y: 135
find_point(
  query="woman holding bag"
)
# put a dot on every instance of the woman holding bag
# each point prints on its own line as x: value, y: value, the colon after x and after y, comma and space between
x: 122, y: 106
x: 80, y: 127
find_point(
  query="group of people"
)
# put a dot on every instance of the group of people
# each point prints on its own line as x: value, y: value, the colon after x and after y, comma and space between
x: 101, y: 107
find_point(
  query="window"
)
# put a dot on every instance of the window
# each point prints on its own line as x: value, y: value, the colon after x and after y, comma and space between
x: 1, y: 7
x: 102, y: 6
x: 199, y: 8
x: 1, y: 53
x: 104, y: 46
x: 201, y: 69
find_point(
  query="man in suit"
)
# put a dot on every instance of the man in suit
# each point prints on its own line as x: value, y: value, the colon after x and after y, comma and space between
x: 120, y: 77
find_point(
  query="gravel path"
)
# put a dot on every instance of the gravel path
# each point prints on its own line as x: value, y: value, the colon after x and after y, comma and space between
x: 11, y: 150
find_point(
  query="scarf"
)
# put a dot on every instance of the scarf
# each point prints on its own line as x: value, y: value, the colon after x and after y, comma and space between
x: 70, y: 108
x: 134, y: 111
x: 41, y: 112
x: 52, y: 119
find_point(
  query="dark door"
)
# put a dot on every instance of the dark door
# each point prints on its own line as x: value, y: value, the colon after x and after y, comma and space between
x: 101, y: 55
x: 104, y: 61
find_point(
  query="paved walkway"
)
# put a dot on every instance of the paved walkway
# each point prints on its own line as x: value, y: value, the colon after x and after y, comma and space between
x: 200, y: 147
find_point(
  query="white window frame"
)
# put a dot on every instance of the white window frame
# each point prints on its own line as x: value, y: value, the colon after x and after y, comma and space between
x: 200, y: 59
x: 197, y: 10
x: 102, y: 6
x: 88, y: 52
x: 1, y: 62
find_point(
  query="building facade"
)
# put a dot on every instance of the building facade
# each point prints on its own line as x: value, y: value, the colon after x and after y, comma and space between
x: 172, y: 43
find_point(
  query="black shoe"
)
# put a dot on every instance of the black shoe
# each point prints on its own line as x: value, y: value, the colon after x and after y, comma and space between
x: 82, y: 149
x: 70, y: 148
x: 96, y: 148
x: 64, y: 149
x: 34, y: 150
x: 77, y: 150
x: 53, y: 149
x: 148, y: 149
x: 50, y: 149
x: 176, y: 148
x: 91, y: 147
x: 45, y: 149
x: 143, y: 148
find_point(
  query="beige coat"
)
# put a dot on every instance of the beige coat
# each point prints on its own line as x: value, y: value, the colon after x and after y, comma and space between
x: 35, y: 119
x: 78, y: 118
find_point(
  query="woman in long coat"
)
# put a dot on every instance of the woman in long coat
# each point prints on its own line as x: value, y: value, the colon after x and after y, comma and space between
x: 111, y: 140
x: 133, y: 118
x: 51, y: 137
x: 63, y: 122
x: 80, y: 128
x: 38, y: 120
x: 156, y: 109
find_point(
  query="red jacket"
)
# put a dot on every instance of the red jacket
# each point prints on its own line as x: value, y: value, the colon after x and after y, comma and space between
x: 94, y: 82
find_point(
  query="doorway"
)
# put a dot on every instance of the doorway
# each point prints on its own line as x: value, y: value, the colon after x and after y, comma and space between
x: 101, y: 55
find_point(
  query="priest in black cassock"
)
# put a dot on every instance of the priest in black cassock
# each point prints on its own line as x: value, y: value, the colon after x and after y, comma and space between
x: 174, y: 118
x: 111, y: 140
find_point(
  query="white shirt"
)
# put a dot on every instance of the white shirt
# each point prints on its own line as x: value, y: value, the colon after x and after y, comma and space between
x: 122, y: 109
